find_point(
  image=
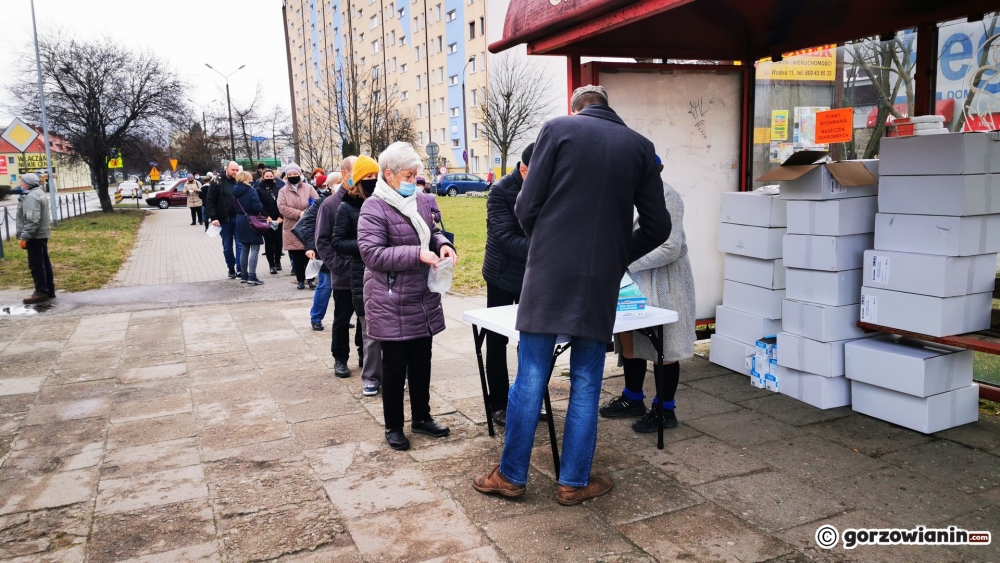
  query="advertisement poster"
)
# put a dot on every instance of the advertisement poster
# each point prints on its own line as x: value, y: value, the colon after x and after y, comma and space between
x: 813, y: 64
x: 780, y: 152
x: 3, y: 165
x: 779, y: 125
x: 804, y: 128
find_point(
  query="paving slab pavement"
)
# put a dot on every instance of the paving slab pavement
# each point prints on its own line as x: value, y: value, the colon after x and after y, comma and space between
x: 212, y: 429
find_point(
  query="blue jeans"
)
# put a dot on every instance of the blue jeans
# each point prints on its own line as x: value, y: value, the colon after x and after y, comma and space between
x: 228, y: 235
x: 321, y: 299
x: 534, y: 365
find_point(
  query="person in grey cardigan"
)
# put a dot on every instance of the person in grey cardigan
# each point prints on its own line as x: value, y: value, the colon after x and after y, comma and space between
x: 664, y: 277
x: 34, y: 231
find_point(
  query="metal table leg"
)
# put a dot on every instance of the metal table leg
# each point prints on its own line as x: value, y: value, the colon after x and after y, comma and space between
x: 655, y: 335
x: 479, y: 336
x: 548, y: 409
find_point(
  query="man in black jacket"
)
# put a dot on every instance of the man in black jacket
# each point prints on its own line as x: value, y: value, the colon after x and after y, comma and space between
x: 220, y: 208
x: 589, y: 174
x: 503, y: 270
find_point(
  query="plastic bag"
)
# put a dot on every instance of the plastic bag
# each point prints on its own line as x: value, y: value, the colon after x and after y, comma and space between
x: 213, y: 231
x: 312, y: 268
x: 773, y: 189
x: 439, y: 279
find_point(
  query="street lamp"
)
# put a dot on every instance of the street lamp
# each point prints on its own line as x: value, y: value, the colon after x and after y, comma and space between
x: 232, y: 138
x: 204, y: 124
x: 465, y: 108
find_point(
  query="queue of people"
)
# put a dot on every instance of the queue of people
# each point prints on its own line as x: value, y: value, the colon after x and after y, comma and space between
x: 376, y: 234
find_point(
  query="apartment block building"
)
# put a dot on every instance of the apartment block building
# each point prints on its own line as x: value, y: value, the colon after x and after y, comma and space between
x: 421, y: 49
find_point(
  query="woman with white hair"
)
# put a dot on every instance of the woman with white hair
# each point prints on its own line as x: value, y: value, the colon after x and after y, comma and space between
x: 399, y: 243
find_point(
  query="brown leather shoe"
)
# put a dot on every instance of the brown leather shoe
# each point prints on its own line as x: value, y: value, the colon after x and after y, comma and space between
x: 568, y: 496
x: 494, y: 483
x: 36, y: 297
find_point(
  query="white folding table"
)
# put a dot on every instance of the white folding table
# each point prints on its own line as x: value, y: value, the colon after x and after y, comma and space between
x: 501, y: 320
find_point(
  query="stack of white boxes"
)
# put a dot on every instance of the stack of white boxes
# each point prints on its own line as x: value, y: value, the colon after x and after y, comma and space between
x: 831, y: 217
x: 932, y: 272
x: 750, y: 235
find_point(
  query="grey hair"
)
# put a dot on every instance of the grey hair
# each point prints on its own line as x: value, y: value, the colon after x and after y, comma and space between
x: 588, y: 95
x: 398, y: 157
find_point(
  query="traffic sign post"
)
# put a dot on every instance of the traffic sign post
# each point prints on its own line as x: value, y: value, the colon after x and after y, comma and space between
x: 173, y: 164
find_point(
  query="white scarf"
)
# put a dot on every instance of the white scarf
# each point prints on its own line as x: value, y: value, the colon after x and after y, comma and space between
x: 407, y: 206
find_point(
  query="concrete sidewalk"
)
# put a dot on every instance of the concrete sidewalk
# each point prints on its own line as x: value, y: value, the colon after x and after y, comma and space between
x: 218, y: 433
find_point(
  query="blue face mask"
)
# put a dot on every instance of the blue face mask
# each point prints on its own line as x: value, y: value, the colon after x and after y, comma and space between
x: 406, y: 189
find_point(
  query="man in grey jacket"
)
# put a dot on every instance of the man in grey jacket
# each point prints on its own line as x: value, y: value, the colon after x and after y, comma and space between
x: 33, y: 232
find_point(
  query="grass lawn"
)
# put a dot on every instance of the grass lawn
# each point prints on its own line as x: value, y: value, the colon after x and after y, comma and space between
x: 466, y: 217
x: 86, y: 251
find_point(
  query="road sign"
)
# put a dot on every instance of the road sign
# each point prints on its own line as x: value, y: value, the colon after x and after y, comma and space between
x: 258, y: 139
x: 432, y: 149
x: 19, y: 134
x: 115, y: 159
x: 173, y: 164
x: 154, y: 175
x: 465, y: 156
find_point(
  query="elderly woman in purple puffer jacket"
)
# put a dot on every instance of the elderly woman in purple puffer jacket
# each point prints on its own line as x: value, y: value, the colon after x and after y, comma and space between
x: 399, y: 243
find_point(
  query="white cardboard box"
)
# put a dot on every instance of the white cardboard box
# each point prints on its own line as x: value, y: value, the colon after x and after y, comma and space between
x: 744, y: 327
x: 922, y: 314
x: 938, y: 234
x: 954, y: 153
x: 748, y: 208
x: 816, y: 390
x: 828, y: 253
x: 928, y: 274
x: 906, y: 365
x: 958, y: 195
x: 755, y: 271
x: 752, y: 299
x: 923, y: 414
x: 823, y: 323
x: 730, y: 353
x: 819, y: 358
x: 756, y: 242
x: 825, y: 288
x: 800, y: 178
x: 836, y: 217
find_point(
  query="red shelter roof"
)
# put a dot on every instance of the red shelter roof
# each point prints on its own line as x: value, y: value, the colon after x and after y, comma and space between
x: 742, y: 30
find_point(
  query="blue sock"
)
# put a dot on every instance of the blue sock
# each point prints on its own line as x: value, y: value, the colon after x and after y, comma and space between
x: 669, y: 405
x: 633, y: 395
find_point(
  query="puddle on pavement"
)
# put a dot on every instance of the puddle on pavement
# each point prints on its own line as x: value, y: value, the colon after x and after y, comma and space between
x: 24, y: 310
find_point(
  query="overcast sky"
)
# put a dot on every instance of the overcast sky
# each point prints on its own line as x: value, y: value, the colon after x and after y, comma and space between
x: 185, y: 33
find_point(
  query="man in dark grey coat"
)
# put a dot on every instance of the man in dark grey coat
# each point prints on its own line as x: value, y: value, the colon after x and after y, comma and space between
x: 588, y: 171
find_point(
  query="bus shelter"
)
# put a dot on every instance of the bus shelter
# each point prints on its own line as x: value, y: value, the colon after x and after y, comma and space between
x: 725, y: 88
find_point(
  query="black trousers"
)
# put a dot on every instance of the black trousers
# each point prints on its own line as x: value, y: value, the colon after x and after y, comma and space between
x: 496, y: 350
x: 343, y: 310
x: 41, y: 268
x: 272, y: 248
x: 195, y: 215
x: 635, y: 374
x: 398, y: 358
x: 299, y: 262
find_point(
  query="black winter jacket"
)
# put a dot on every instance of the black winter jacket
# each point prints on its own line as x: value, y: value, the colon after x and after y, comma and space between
x: 305, y: 228
x: 269, y: 203
x: 345, y: 243
x: 506, y: 243
x: 220, y: 204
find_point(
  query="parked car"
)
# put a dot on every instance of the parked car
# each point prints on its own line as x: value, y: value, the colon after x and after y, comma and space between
x: 455, y: 184
x: 172, y: 195
x: 130, y: 189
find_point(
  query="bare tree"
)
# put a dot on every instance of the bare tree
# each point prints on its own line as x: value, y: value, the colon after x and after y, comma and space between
x: 516, y: 103
x: 198, y: 150
x: 888, y: 65
x: 100, y: 96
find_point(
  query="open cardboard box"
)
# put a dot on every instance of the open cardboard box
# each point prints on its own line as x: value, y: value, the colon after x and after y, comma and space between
x: 803, y: 177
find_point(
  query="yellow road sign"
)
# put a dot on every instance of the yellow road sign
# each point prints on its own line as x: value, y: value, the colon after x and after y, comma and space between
x: 154, y: 175
x: 173, y: 164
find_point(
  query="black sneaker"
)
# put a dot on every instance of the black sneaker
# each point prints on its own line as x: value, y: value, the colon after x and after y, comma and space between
x: 317, y: 326
x: 647, y: 424
x: 622, y: 407
x: 397, y: 440
x: 232, y: 273
x: 340, y: 369
x: 500, y: 417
